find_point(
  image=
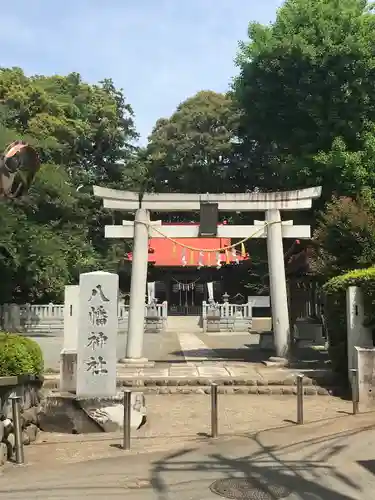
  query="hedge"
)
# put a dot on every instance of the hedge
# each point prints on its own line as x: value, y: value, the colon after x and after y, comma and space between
x: 19, y: 356
x: 335, y: 312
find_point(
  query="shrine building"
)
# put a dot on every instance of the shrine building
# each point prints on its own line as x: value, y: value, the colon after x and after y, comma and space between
x: 181, y: 269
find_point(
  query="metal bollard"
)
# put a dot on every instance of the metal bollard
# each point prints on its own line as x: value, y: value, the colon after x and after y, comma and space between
x: 16, y: 415
x: 214, y: 414
x: 355, y: 395
x: 127, y: 417
x: 300, y: 399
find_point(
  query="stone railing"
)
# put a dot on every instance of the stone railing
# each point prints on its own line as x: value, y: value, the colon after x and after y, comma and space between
x: 227, y: 310
x: 227, y: 317
x: 27, y: 318
x: 49, y: 318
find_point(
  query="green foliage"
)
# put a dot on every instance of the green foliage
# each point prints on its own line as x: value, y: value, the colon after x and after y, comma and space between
x: 335, y: 311
x: 345, y: 236
x: 19, y: 356
x: 306, y: 90
x: 86, y: 127
x: 83, y: 134
x: 194, y: 148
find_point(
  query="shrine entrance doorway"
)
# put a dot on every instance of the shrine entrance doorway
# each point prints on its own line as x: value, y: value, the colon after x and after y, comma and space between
x: 186, y: 297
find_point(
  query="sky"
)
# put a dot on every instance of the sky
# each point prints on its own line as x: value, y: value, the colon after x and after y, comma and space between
x: 159, y: 51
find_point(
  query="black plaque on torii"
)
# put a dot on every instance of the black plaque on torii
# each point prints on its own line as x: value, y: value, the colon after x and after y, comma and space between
x: 208, y: 221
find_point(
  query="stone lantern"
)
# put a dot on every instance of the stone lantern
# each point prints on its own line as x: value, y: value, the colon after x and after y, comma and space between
x: 225, y: 298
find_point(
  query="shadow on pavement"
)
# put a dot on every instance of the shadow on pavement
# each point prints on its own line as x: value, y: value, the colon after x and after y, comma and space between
x: 313, y: 363
x: 302, y: 358
x: 268, y: 470
x: 304, y: 468
x: 248, y: 354
x: 369, y: 465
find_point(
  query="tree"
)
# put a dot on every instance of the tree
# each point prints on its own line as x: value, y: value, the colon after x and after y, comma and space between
x: 84, y: 136
x: 306, y: 90
x: 345, y: 236
x: 87, y: 128
x: 194, y: 149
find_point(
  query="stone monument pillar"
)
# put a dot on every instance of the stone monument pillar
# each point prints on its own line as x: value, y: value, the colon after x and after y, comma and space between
x: 68, y: 355
x: 97, y: 334
x: 365, y: 363
x: 358, y: 335
x: 71, y: 299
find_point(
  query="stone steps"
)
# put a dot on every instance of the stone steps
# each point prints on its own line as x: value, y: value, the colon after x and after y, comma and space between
x: 196, y: 378
x: 270, y: 390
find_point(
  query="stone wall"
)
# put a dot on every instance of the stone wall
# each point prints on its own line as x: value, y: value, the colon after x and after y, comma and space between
x: 29, y: 388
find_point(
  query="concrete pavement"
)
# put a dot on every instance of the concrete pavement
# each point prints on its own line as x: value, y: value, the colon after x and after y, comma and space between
x: 167, y: 346
x: 155, y: 347
x: 334, y: 461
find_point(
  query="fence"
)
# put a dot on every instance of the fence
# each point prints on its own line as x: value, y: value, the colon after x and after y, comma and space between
x: 234, y: 317
x: 49, y: 318
x: 227, y: 310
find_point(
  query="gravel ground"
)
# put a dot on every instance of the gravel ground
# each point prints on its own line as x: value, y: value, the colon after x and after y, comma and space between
x: 177, y: 420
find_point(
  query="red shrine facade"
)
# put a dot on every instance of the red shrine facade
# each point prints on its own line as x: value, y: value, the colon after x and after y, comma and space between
x: 182, y: 267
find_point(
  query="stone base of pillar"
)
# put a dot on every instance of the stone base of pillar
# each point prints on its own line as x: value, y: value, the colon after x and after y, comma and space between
x: 276, y: 362
x: 137, y: 362
x: 68, y: 370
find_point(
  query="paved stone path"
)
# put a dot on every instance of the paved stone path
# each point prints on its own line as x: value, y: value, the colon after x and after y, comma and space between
x: 169, y: 346
x: 193, y: 348
x: 334, y: 461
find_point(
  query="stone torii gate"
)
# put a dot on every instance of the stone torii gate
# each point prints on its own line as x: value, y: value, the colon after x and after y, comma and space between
x: 142, y: 229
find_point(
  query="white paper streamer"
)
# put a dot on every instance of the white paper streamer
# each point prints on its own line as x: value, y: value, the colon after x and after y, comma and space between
x: 200, y: 260
x: 218, y: 260
x: 183, y: 257
x: 235, y: 256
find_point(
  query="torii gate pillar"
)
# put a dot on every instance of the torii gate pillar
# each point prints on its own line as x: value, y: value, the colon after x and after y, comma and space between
x: 134, y: 345
x: 277, y: 278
